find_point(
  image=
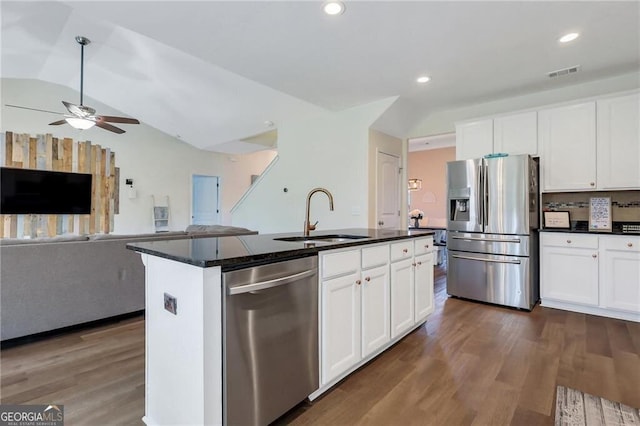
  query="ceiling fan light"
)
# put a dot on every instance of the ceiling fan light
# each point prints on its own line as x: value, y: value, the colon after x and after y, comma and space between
x: 80, y: 123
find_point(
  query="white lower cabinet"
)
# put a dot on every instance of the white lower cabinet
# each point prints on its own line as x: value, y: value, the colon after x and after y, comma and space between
x: 620, y: 273
x: 354, y: 307
x: 569, y: 271
x: 425, y: 257
x: 368, y: 299
x: 593, y: 274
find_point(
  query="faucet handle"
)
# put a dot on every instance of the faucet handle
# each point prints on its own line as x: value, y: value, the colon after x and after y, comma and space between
x: 313, y: 227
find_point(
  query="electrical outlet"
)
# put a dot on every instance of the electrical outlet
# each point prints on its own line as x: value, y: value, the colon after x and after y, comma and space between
x: 171, y: 304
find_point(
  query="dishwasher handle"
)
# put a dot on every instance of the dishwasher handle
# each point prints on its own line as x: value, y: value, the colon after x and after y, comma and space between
x: 262, y: 285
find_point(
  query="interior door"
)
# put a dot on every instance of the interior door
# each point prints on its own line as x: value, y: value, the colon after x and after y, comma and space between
x: 205, y: 200
x: 388, y: 191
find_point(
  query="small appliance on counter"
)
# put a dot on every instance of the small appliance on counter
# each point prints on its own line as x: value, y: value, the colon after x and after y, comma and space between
x: 492, y: 226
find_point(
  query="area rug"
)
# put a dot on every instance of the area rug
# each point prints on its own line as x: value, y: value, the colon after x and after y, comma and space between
x: 575, y: 408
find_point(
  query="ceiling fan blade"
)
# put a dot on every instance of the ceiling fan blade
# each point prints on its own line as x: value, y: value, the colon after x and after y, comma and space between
x: 33, y: 109
x: 112, y: 119
x: 109, y: 127
x: 57, y: 123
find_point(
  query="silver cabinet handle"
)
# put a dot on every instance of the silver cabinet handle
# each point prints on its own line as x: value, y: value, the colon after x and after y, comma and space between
x: 270, y: 283
x: 480, y: 259
x: 501, y: 240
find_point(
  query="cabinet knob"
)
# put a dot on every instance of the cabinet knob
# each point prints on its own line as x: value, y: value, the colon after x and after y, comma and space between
x: 367, y: 279
x: 594, y: 255
x: 419, y: 263
x: 629, y: 245
x: 358, y: 282
x: 592, y: 183
x: 405, y: 250
x: 568, y: 241
x: 426, y: 246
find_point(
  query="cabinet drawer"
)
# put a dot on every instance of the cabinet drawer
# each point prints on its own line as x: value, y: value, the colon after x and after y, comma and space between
x: 401, y: 250
x: 375, y: 256
x: 570, y: 240
x: 340, y: 263
x: 423, y: 245
x: 620, y: 242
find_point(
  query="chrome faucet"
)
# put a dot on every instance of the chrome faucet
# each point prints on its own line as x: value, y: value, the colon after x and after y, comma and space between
x: 307, y: 225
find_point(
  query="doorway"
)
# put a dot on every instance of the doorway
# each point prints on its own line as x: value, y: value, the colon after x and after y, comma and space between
x: 387, y: 191
x: 205, y: 200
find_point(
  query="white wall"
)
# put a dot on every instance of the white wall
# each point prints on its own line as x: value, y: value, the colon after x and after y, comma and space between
x: 329, y: 150
x: 443, y: 121
x: 157, y: 163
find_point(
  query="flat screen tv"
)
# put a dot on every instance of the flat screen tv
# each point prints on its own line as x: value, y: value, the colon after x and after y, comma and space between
x: 26, y: 191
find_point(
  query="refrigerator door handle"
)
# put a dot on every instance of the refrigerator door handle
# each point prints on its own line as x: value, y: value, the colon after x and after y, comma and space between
x: 481, y: 259
x: 492, y: 240
x: 479, y: 206
x: 485, y: 201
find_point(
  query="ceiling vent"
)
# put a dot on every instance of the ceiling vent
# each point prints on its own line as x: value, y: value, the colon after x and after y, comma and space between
x: 564, y: 71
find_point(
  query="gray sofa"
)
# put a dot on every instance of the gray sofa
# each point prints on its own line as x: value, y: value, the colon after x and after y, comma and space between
x: 47, y: 284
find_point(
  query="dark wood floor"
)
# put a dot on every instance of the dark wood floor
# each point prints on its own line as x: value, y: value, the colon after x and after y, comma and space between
x: 470, y: 364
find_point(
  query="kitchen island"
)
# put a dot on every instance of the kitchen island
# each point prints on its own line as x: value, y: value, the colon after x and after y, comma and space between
x: 374, y: 287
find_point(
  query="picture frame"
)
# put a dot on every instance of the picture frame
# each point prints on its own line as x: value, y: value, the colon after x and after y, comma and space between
x: 557, y: 220
x: 600, y: 214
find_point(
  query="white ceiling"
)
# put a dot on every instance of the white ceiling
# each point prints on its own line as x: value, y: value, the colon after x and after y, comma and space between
x: 214, y: 72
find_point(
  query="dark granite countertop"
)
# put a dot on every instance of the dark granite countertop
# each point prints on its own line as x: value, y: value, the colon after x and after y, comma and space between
x: 237, y: 252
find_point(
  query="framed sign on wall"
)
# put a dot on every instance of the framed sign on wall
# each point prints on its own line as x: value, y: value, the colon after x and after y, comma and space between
x: 557, y: 220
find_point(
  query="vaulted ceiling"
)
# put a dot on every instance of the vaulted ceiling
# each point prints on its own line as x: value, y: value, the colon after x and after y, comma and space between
x: 217, y: 72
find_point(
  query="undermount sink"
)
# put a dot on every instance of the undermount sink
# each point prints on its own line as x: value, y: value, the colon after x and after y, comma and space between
x: 334, y: 238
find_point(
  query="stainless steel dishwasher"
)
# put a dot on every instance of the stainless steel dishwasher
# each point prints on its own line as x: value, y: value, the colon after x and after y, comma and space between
x: 270, y: 333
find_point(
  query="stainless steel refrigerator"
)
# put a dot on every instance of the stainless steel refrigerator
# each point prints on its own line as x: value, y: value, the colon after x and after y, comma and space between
x: 493, y: 217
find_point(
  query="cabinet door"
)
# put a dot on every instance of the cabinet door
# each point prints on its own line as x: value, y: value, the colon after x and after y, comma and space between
x: 567, y: 137
x: 516, y: 133
x: 474, y: 139
x: 618, y: 142
x: 569, y: 275
x: 423, y: 282
x: 620, y: 273
x: 340, y: 325
x: 375, y: 309
x: 402, y: 296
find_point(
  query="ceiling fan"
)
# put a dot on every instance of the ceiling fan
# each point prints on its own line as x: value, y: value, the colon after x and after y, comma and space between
x: 82, y: 116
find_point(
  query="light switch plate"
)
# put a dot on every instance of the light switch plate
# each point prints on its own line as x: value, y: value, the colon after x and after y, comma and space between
x: 171, y: 304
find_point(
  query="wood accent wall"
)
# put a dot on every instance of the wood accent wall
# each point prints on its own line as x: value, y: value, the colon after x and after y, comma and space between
x: 44, y: 152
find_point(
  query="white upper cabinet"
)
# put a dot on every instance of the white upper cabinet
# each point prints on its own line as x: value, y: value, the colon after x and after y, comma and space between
x: 510, y: 134
x: 516, y: 133
x: 474, y: 139
x: 567, y: 137
x: 619, y: 142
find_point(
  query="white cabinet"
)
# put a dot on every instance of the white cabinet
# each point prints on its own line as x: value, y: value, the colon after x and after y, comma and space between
x: 423, y: 278
x: 567, y: 137
x: 402, y: 287
x: 474, y: 139
x: 354, y: 307
x: 569, y: 268
x: 619, y: 142
x: 592, y: 274
x: 620, y: 272
x: 516, y: 133
x: 511, y: 134
x: 340, y: 325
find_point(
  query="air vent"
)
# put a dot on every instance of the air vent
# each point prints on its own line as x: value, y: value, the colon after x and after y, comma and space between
x: 564, y: 71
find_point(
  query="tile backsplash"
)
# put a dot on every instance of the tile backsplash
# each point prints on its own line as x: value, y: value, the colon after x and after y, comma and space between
x: 625, y: 205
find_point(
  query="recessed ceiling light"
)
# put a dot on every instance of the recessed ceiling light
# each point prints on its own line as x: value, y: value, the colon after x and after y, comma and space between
x: 333, y: 8
x: 569, y: 37
x: 423, y: 79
